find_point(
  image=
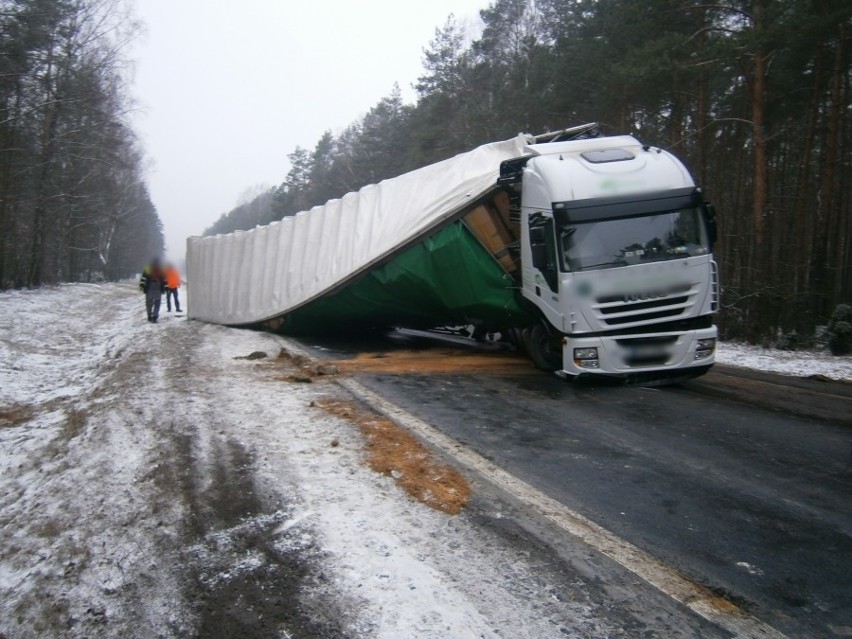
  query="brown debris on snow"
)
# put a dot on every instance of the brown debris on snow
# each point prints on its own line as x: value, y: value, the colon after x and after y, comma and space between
x: 327, y: 369
x: 253, y: 355
x: 307, y: 370
x: 15, y: 414
x: 294, y: 358
x: 393, y: 451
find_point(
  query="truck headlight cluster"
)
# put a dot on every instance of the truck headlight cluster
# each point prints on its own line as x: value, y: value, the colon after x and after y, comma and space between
x: 586, y: 358
x: 704, y: 348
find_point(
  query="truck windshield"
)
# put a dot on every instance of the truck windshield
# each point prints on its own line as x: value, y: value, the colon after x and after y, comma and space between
x: 656, y: 237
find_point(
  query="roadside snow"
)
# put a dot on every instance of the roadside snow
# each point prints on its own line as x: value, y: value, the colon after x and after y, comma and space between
x: 795, y: 363
x: 72, y: 511
x: 49, y: 353
x: 154, y: 482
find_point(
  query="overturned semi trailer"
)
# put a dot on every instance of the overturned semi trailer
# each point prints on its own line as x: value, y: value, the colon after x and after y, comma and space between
x: 593, y: 253
x: 434, y: 247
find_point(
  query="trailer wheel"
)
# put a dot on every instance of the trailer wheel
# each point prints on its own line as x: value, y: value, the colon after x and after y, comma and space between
x: 544, y: 348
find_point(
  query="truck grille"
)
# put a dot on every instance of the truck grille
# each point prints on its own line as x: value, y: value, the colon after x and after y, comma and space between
x: 617, y: 310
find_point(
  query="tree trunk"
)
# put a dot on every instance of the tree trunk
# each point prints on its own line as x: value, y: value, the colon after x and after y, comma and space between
x: 839, y: 100
x: 758, y: 118
x: 700, y: 135
x: 803, y: 242
x: 822, y: 251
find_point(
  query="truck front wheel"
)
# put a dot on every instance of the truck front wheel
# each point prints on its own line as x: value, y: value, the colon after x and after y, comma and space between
x: 544, y: 348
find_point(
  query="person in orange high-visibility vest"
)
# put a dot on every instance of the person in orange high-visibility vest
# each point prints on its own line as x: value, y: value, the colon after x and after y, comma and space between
x: 172, y: 286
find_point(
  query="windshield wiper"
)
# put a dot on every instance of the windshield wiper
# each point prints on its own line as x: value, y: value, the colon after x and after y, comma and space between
x: 618, y: 262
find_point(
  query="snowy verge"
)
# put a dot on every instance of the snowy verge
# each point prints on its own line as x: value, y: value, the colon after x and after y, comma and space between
x: 804, y: 363
x: 158, y: 480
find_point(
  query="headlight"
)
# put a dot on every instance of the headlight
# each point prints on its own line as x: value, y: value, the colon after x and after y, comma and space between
x: 587, y: 363
x: 704, y: 347
x: 586, y: 358
x: 707, y: 344
x: 585, y: 353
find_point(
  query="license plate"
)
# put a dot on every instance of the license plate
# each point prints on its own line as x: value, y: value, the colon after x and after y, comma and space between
x: 645, y: 351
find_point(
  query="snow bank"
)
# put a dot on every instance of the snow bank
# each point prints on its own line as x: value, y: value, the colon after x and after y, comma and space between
x: 795, y: 363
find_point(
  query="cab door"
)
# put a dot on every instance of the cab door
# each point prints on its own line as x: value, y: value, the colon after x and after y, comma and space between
x: 541, y: 273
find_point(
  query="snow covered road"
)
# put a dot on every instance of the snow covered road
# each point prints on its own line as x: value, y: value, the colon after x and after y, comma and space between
x: 152, y: 485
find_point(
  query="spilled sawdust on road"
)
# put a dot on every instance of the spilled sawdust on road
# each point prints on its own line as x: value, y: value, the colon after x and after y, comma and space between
x: 431, y: 361
x: 393, y: 451
x: 437, y: 361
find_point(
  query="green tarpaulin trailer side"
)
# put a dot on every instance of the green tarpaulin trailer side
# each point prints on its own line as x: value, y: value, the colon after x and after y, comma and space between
x: 448, y: 278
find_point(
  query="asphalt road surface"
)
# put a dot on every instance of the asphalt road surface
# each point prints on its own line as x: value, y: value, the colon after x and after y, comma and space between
x: 742, y: 481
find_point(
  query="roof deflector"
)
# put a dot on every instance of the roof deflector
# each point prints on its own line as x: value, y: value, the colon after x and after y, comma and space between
x: 581, y: 132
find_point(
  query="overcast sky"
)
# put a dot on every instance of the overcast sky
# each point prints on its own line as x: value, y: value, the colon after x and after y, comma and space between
x: 227, y: 89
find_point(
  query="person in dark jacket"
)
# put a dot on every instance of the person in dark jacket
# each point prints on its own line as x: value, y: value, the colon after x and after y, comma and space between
x: 153, y: 284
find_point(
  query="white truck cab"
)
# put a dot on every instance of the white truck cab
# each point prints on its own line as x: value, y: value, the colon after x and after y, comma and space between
x: 616, y: 256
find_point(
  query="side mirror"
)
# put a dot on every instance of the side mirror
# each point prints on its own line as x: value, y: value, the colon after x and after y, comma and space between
x: 710, y: 219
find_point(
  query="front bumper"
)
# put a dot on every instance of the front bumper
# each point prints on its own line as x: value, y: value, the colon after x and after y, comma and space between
x: 641, y: 358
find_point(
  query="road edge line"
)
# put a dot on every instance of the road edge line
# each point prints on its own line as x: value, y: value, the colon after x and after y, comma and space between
x: 663, y: 577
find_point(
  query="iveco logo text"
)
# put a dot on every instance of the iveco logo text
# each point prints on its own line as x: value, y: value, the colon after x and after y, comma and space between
x: 635, y: 297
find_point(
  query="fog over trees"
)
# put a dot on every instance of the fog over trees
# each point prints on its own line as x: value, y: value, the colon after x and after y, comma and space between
x: 73, y: 200
x: 753, y: 96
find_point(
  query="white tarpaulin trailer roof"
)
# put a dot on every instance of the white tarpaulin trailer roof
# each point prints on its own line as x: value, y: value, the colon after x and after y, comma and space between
x: 251, y: 276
